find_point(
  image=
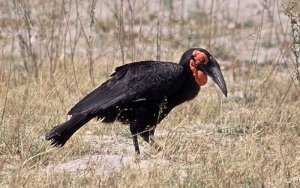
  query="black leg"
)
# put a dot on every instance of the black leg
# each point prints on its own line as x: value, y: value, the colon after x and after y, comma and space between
x: 136, y: 144
x: 135, y: 139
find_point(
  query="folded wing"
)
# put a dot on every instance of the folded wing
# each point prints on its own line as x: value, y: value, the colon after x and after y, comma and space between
x: 140, y: 80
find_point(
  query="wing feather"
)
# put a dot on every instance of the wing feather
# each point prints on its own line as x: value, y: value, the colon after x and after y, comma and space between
x: 140, y: 80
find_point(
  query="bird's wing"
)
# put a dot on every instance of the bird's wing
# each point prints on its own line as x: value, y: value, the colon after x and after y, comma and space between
x: 149, y: 80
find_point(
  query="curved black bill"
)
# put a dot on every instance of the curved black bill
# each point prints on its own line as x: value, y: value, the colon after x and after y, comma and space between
x: 213, y: 70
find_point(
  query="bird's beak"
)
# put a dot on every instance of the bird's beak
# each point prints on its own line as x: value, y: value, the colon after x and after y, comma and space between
x: 213, y: 70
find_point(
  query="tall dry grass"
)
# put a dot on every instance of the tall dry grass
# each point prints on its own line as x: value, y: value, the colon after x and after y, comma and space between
x: 54, y: 52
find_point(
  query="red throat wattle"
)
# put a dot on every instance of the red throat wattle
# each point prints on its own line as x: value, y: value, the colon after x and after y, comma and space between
x: 200, y: 77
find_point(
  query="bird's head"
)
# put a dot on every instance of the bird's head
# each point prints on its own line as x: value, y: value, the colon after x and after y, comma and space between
x: 201, y: 63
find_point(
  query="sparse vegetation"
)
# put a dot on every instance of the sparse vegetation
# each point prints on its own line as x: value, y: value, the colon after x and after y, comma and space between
x: 54, y: 52
x: 292, y: 11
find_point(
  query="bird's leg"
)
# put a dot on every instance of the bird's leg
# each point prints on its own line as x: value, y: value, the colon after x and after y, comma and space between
x: 135, y: 139
x: 148, y: 137
x: 136, y: 144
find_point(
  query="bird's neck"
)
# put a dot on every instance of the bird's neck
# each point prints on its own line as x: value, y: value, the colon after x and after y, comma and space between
x: 187, y: 91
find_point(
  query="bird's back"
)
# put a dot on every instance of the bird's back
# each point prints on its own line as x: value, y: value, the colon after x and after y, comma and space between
x: 150, y: 80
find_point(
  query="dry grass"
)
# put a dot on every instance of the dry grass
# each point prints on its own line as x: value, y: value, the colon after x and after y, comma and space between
x: 53, y: 53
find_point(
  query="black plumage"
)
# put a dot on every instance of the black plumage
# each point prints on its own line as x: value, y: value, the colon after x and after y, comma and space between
x: 140, y: 94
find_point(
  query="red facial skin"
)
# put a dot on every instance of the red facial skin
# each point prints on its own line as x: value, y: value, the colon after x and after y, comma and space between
x: 200, y: 57
x: 200, y: 77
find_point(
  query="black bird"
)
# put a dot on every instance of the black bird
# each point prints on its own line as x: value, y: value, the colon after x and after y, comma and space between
x: 141, y: 94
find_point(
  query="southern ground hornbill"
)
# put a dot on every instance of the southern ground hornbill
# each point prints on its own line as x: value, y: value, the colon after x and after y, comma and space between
x: 141, y: 94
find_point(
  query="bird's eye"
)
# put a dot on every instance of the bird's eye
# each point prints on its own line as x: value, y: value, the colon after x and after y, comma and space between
x: 200, y: 57
x: 201, y: 61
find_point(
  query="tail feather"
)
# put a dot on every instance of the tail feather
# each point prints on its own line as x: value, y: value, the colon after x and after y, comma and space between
x: 60, y: 134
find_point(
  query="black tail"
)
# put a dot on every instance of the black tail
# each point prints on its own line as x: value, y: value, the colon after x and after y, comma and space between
x: 60, y: 134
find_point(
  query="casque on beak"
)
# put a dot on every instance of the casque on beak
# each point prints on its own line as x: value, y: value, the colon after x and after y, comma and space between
x: 213, y: 70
